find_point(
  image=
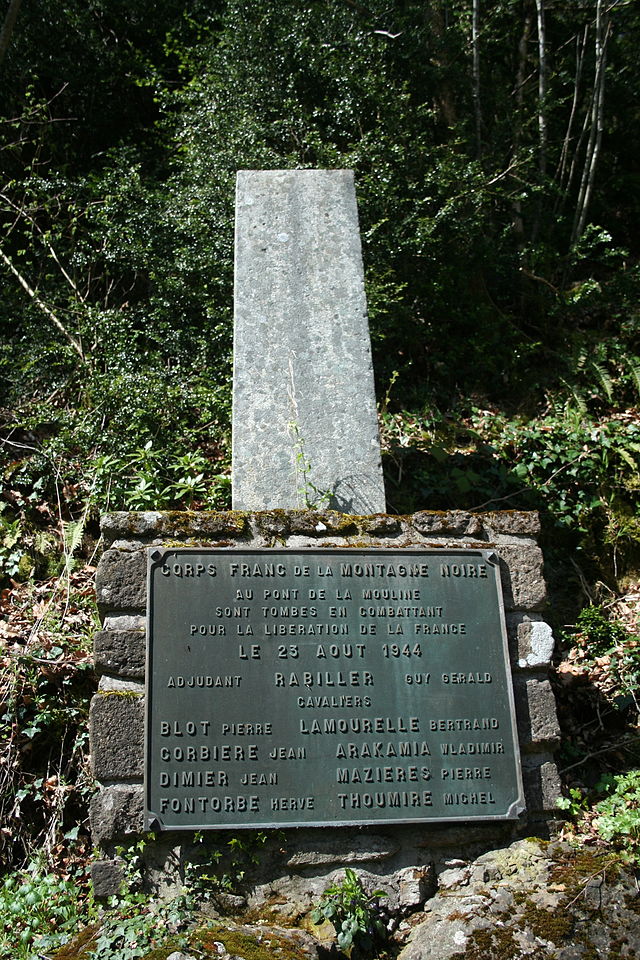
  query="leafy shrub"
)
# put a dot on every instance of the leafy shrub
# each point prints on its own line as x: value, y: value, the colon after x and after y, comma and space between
x: 353, y: 912
x: 38, y: 912
x: 618, y: 815
x: 45, y: 683
x: 611, y: 654
x: 597, y: 633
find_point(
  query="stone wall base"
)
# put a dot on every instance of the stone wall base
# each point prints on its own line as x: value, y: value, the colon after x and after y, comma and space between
x: 293, y: 867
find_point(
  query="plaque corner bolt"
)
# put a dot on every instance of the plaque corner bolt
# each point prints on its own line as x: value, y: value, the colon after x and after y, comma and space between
x: 152, y: 823
x: 156, y: 554
x: 492, y: 557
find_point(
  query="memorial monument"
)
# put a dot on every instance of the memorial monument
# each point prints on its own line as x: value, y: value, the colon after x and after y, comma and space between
x: 305, y: 425
x: 311, y: 661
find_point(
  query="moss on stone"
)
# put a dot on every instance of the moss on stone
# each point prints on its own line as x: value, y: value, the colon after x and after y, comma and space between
x: 239, y: 942
x: 491, y: 943
x: 120, y: 693
x: 554, y: 926
x: 79, y: 946
x: 307, y: 521
x: 577, y: 867
x: 211, y: 522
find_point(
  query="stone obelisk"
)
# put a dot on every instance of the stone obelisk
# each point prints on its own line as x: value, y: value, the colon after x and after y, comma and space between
x: 305, y: 429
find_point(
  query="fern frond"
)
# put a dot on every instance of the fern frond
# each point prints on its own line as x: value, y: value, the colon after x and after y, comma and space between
x: 634, y: 373
x: 72, y: 531
x: 626, y: 456
x: 603, y: 378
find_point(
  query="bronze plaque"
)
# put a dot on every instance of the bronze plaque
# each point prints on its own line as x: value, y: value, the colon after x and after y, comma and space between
x: 327, y: 687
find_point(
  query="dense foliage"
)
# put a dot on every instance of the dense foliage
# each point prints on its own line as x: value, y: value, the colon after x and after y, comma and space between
x: 495, y: 150
x: 494, y: 147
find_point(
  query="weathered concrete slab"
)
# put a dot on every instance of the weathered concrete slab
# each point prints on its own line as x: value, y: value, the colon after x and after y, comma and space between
x: 304, y: 420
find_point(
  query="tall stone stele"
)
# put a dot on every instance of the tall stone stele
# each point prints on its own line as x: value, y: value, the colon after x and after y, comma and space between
x: 305, y: 429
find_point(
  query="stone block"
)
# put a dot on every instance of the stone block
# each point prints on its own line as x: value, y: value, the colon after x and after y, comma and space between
x: 522, y: 576
x: 116, y: 731
x: 536, y: 713
x: 542, y: 786
x: 125, y: 621
x: 453, y: 836
x: 515, y: 523
x: 116, y: 812
x: 274, y: 523
x: 149, y: 525
x: 107, y: 878
x: 380, y: 525
x: 208, y: 525
x: 448, y: 523
x: 361, y: 849
x: 121, y: 581
x: 121, y: 652
x: 531, y: 641
x: 415, y: 885
x: 304, y: 410
x: 109, y: 684
x: 321, y: 524
x: 130, y: 525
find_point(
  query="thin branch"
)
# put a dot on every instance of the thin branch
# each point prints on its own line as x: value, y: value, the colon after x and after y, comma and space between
x: 42, y: 306
x: 516, y: 493
x: 587, y: 880
x: 580, y: 52
x: 21, y: 212
x: 598, y: 753
x: 533, y: 276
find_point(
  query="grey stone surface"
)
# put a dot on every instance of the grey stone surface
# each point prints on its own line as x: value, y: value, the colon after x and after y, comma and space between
x: 164, y: 867
x: 415, y: 885
x: 362, y: 849
x: 381, y: 525
x: 120, y: 652
x: 107, y: 877
x: 536, y: 713
x: 519, y: 523
x: 109, y: 684
x: 121, y: 581
x: 116, y: 812
x: 116, y: 731
x: 531, y: 641
x: 116, y: 621
x: 304, y: 411
x: 534, y: 903
x: 542, y: 785
x: 447, y: 523
x: 522, y: 576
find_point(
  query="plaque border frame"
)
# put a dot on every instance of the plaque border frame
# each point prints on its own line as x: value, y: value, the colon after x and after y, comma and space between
x: 155, y: 555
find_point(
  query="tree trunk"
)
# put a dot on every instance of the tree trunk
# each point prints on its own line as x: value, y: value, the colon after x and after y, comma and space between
x: 7, y: 27
x: 542, y: 87
x: 475, y: 46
